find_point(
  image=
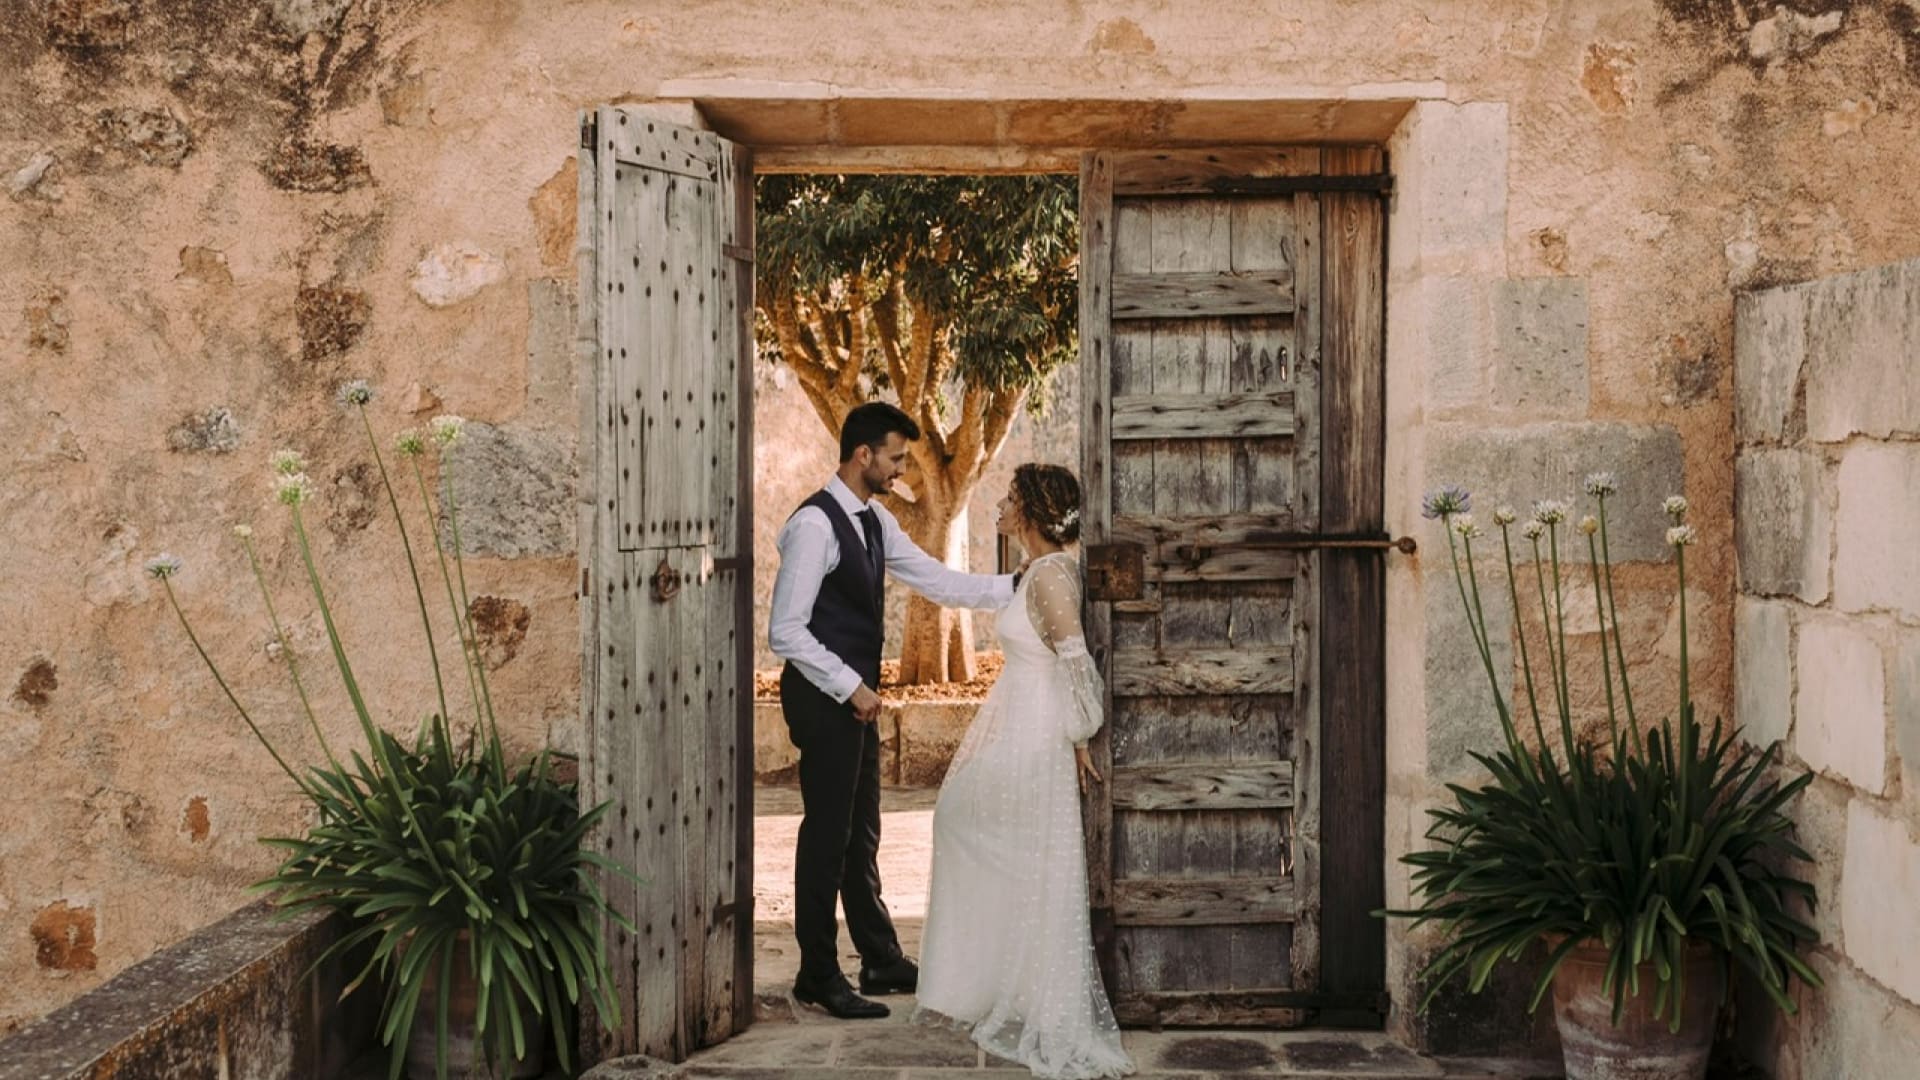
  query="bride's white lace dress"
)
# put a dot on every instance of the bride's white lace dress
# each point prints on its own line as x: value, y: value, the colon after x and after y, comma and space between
x: 1007, y: 952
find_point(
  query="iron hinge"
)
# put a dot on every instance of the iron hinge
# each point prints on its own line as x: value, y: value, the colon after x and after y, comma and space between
x: 589, y: 130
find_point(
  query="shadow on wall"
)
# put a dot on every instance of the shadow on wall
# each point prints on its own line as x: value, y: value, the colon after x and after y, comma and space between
x: 794, y: 454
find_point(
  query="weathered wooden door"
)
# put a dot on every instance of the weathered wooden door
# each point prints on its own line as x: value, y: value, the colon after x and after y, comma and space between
x: 1231, y: 347
x: 666, y: 291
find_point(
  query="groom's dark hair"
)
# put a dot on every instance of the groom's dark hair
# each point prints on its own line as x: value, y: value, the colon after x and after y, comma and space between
x: 870, y: 424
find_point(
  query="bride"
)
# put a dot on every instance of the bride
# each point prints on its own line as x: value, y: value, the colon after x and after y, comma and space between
x: 1007, y: 951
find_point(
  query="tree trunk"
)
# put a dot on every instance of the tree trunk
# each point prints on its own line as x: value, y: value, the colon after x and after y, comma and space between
x: 936, y: 644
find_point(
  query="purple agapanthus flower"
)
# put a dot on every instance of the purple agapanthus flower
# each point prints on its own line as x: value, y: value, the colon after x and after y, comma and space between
x: 1446, y: 501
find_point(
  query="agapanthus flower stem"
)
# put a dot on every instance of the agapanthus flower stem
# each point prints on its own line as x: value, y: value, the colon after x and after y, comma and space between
x: 1613, y: 616
x: 406, y: 545
x: 460, y: 624
x: 286, y: 650
x: 1606, y: 663
x: 228, y: 690
x: 1526, y: 661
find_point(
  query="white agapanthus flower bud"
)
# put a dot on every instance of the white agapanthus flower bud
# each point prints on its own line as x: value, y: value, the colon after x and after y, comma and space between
x: 244, y: 532
x: 1533, y: 530
x: 1589, y: 525
x: 1602, y: 484
x: 288, y: 462
x: 447, y: 428
x: 410, y: 443
x: 163, y: 566
x: 293, y: 489
x: 1504, y: 515
x: 1675, y: 506
x: 356, y: 392
x: 1681, y: 536
x: 1465, y: 526
x: 1550, y: 511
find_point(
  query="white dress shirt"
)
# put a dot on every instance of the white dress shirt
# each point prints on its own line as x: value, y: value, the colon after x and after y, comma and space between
x: 809, y: 551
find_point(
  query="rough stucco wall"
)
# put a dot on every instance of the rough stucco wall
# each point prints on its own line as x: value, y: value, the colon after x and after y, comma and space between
x: 240, y: 195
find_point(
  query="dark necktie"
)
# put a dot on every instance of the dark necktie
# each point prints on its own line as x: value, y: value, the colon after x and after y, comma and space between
x: 870, y: 527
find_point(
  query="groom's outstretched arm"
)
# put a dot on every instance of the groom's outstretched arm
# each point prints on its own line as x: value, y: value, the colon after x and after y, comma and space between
x: 805, y: 550
x: 934, y: 579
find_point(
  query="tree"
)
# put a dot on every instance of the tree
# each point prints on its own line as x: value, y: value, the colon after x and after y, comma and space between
x: 956, y: 296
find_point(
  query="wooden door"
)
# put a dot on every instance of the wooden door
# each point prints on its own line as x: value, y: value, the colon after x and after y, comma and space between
x: 1231, y: 345
x: 666, y: 291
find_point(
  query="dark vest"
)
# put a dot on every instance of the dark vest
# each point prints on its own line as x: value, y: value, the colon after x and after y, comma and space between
x: 849, y: 616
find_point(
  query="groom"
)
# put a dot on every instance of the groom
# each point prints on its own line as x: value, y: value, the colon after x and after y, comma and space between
x: 828, y: 610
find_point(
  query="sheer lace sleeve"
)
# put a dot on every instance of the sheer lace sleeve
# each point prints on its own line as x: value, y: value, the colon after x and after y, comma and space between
x: 1053, y: 603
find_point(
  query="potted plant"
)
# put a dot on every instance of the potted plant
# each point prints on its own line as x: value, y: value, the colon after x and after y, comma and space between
x: 1644, y: 863
x: 462, y: 874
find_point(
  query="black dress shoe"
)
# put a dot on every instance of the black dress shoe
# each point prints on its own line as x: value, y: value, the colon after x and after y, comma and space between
x: 899, y: 977
x: 838, y: 998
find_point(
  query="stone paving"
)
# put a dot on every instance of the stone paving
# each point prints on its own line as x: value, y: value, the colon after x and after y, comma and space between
x: 793, y: 1042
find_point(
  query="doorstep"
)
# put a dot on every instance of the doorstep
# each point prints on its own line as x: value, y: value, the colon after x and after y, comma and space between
x: 793, y: 1042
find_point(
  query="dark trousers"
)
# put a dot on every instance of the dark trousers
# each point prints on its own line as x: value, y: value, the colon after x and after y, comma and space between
x: 838, y: 853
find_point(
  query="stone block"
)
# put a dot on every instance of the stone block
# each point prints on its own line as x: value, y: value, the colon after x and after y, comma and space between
x: 1855, y: 1028
x: 515, y: 491
x: 1451, y: 187
x: 1461, y: 717
x: 1450, y: 315
x: 1782, y: 530
x: 1762, y: 670
x: 454, y: 272
x: 1541, y: 346
x: 213, y: 431
x: 1769, y: 352
x: 930, y: 733
x: 1876, y: 561
x: 550, y: 355
x: 1880, y: 925
x: 1862, y: 332
x: 1903, y: 706
x: 1840, y: 712
x: 155, y: 136
x: 1543, y: 461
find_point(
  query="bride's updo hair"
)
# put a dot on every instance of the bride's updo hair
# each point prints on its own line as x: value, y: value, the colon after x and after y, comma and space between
x: 1049, y: 499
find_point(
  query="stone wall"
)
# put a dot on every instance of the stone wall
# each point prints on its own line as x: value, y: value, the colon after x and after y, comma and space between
x: 215, y: 212
x: 1827, y: 639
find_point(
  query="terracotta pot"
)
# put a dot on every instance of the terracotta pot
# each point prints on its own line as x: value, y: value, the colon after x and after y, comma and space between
x: 1640, y: 1047
x: 466, y: 1057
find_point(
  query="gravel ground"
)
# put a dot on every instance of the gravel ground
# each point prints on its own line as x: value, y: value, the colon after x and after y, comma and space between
x: 906, y: 852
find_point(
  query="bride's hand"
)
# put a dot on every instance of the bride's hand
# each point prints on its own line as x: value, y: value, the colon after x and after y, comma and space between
x: 1083, y: 760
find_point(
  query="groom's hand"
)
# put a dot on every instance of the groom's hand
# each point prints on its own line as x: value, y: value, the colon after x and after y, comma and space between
x: 866, y: 704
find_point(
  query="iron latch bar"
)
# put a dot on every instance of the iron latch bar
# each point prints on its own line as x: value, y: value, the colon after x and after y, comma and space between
x: 1301, y: 542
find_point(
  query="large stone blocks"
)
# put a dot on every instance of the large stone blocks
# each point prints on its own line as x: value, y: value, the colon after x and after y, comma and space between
x: 515, y: 491
x: 1452, y: 205
x: 1769, y: 351
x: 1862, y: 333
x: 1903, y: 703
x: 1840, y: 712
x: 1461, y: 717
x: 1880, y: 924
x: 1541, y: 338
x: 1541, y: 461
x: 1762, y: 670
x: 551, y: 386
x: 1877, y: 552
x: 1782, y: 529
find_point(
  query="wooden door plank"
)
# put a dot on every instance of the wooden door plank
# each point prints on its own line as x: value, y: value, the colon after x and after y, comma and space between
x: 1140, y: 673
x: 1191, y: 416
x: 1217, y: 529
x: 1244, y: 786
x: 1198, y: 172
x: 1202, y: 294
x: 1099, y: 369
x: 687, y: 705
x: 740, y: 801
x: 1221, y: 901
x: 664, y: 147
x: 1352, y: 772
x: 1306, y: 846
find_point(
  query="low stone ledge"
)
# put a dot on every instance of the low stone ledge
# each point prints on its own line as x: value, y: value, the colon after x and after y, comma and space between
x: 917, y: 742
x: 234, y: 999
